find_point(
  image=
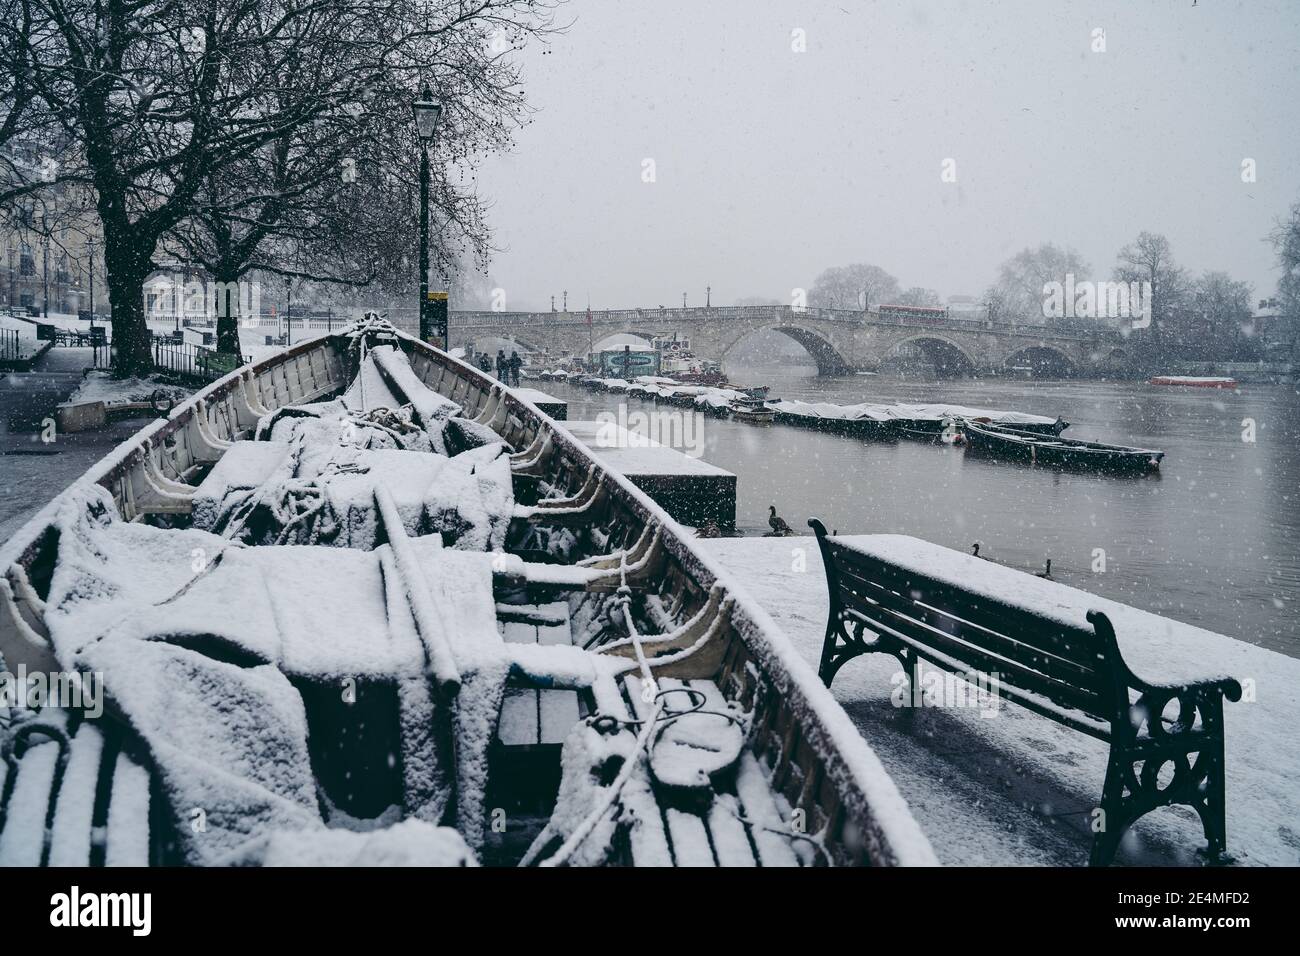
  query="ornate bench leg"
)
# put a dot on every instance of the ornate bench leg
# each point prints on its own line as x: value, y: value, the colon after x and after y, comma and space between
x: 1212, y: 809
x: 1197, y: 766
x: 837, y: 648
x: 1114, y: 819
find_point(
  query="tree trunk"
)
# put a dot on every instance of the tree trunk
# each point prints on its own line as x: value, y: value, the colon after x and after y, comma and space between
x: 132, y: 341
x: 228, y: 313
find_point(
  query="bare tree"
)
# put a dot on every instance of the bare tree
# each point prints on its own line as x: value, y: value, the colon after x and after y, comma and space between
x: 1210, y: 319
x: 163, y: 100
x: 334, y: 202
x: 855, y: 286
x: 1018, y: 294
x: 1148, y: 259
x: 918, y: 296
x: 17, y: 97
x: 1286, y: 241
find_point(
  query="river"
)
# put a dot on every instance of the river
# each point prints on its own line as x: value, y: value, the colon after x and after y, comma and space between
x: 1213, y: 539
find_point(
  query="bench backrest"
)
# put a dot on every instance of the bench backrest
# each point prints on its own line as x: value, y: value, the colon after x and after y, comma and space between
x: 1070, y: 666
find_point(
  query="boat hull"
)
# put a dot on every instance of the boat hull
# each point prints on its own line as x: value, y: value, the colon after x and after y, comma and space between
x: 1006, y: 445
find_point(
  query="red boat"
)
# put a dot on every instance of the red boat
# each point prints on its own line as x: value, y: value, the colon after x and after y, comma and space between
x: 1193, y: 381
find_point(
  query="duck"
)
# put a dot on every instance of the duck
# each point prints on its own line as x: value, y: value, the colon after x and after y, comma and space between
x: 1046, y: 573
x: 777, y: 523
x: 975, y: 550
x: 709, y: 529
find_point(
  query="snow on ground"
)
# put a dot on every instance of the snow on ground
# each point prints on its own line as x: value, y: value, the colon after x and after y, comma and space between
x: 100, y: 386
x: 252, y: 341
x: 1016, y: 788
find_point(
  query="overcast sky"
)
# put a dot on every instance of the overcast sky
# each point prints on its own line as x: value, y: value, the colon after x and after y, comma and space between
x: 772, y: 164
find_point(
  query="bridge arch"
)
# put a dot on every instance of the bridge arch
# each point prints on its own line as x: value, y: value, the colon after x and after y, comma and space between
x: 497, y: 340
x: 829, y: 359
x: 605, y: 341
x: 948, y: 356
x: 1042, y: 361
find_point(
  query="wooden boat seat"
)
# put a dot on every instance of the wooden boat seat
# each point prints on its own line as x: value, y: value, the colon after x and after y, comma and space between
x: 737, y: 820
x: 1069, y: 673
x: 72, y: 801
x: 531, y: 716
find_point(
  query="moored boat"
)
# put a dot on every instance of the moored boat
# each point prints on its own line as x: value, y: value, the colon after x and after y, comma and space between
x: 1018, y: 445
x: 929, y: 422
x: 752, y: 410
x: 1194, y: 381
x: 352, y: 597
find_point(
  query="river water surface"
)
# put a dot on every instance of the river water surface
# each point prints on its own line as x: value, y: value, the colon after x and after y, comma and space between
x: 1213, y: 539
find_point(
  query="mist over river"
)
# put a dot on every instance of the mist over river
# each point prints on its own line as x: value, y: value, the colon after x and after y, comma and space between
x: 1213, y: 539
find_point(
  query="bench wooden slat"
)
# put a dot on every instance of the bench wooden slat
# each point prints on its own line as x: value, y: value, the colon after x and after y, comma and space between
x: 1009, y: 672
x: 1061, y: 713
x: 1005, y: 648
x: 1077, y: 657
x: 1077, y: 646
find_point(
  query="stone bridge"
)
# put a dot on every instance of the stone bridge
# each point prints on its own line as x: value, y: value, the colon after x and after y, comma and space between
x: 839, y: 341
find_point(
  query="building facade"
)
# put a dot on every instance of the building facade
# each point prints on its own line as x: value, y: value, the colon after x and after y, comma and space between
x: 50, y: 245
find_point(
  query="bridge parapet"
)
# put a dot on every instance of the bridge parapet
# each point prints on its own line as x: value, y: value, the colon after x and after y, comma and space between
x: 766, y: 316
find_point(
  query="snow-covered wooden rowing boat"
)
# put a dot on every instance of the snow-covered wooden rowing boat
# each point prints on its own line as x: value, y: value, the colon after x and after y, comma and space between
x: 360, y: 603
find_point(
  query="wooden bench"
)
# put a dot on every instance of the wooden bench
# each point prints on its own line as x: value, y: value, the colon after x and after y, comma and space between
x: 1073, y: 675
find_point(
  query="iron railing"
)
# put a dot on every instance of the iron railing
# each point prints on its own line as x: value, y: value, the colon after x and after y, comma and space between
x: 194, y: 361
x: 11, y: 349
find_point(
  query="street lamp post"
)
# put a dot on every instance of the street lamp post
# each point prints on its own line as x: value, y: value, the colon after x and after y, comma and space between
x: 288, y: 310
x: 45, y: 271
x: 181, y: 300
x: 427, y: 110
x: 90, y: 250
